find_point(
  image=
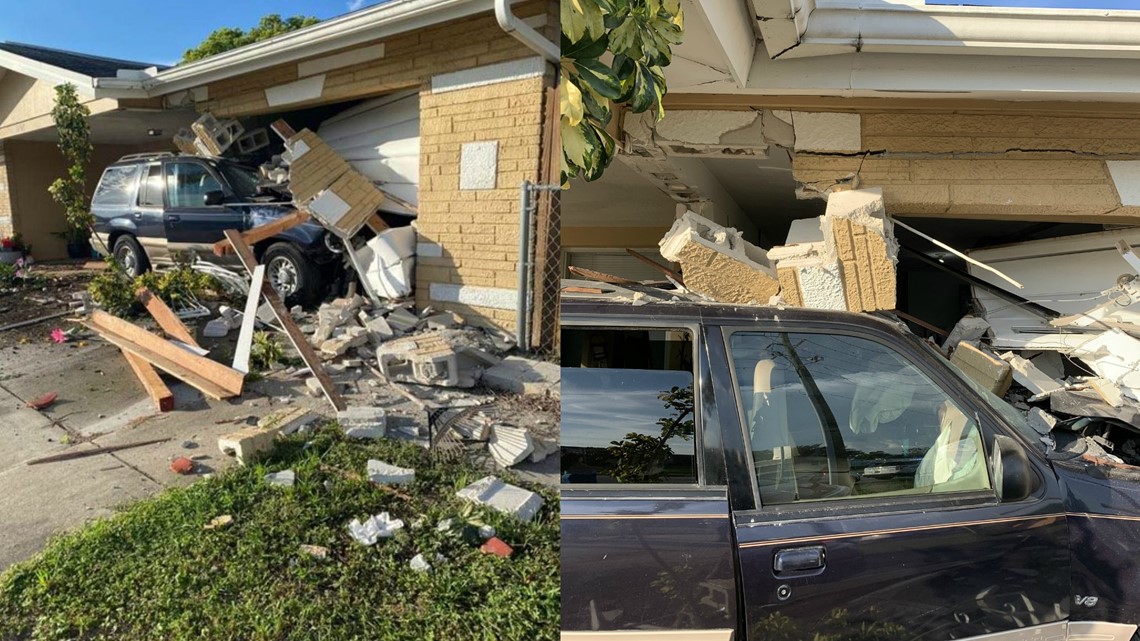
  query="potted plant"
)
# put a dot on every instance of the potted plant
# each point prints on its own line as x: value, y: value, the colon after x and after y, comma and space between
x: 76, y: 239
x: 12, y: 249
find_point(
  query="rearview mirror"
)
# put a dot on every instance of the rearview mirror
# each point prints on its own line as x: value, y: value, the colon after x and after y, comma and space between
x: 214, y: 198
x: 1014, y: 478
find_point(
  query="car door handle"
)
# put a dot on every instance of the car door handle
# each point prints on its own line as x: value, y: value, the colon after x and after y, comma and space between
x: 138, y: 215
x: 799, y: 559
x: 173, y: 218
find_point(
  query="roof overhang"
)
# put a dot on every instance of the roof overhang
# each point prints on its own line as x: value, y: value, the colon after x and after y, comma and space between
x: 56, y: 76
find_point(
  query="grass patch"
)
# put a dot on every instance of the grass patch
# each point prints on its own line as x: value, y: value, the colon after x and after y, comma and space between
x: 152, y: 571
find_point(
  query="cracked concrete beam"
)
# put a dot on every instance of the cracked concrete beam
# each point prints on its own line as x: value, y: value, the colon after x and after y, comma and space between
x: 827, y: 132
x: 718, y: 263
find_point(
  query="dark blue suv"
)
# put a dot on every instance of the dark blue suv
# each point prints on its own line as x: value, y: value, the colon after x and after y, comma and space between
x: 796, y: 475
x: 149, y: 208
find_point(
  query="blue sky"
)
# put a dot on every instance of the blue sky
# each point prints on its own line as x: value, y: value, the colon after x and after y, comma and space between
x: 155, y: 31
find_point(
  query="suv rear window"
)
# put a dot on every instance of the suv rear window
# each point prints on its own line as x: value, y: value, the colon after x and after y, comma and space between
x: 117, y: 186
x: 627, y: 406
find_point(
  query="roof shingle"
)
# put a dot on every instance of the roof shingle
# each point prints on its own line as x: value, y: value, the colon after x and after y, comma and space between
x: 88, y: 65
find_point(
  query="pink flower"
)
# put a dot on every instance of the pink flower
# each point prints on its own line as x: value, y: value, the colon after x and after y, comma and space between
x: 58, y: 336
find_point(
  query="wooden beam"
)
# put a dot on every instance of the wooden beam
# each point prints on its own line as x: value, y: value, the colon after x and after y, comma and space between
x: 263, y: 232
x: 151, y: 382
x: 166, y: 318
x: 376, y: 223
x: 282, y: 128
x: 212, y: 378
x: 921, y: 323
x: 299, y: 340
x: 573, y: 289
x: 590, y: 274
x: 655, y: 265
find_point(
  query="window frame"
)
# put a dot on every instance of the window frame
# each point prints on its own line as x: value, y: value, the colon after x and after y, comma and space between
x: 169, y: 200
x: 662, y: 489
x: 144, y: 176
x: 870, y: 503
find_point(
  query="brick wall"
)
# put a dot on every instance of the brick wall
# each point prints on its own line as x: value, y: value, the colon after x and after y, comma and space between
x: 409, y: 60
x: 476, y: 229
x: 6, y: 227
x: 1024, y: 167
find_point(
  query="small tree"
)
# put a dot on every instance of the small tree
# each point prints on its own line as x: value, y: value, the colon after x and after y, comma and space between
x: 70, y: 117
x: 228, y: 38
x: 639, y: 35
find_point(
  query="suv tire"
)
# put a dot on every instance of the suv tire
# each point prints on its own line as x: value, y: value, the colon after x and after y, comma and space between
x: 293, y: 276
x: 130, y: 255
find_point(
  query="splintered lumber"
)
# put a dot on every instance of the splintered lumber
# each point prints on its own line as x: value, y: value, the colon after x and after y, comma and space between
x: 263, y: 232
x: 212, y: 378
x: 282, y: 128
x: 300, y: 341
x: 245, y: 336
x: 67, y: 456
x: 590, y: 274
x: 151, y: 382
x: 655, y: 265
x: 165, y: 317
x: 573, y: 289
x: 376, y: 223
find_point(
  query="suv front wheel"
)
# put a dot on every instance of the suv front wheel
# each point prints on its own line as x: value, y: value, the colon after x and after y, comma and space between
x: 293, y: 276
x: 130, y: 255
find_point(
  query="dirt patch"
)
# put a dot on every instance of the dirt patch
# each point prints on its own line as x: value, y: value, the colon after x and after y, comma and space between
x: 48, y: 292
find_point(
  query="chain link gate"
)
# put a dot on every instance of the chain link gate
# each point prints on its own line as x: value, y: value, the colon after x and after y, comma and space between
x: 540, y: 272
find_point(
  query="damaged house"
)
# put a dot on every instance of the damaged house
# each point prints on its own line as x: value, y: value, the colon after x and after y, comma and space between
x: 437, y: 115
x: 973, y: 171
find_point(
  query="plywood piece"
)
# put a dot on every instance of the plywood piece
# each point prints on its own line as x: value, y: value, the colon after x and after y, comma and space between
x: 212, y: 378
x: 151, y: 382
x: 300, y: 341
x: 165, y: 317
x: 266, y: 231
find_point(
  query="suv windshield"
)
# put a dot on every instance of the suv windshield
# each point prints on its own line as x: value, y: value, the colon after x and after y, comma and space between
x: 243, y: 180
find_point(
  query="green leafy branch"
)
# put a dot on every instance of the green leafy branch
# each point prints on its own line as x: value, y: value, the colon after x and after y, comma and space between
x: 638, y: 36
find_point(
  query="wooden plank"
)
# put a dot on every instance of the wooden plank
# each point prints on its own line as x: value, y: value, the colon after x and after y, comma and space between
x: 376, y: 223
x: 245, y: 336
x: 166, y: 318
x: 212, y: 378
x: 658, y: 266
x: 67, y: 456
x: 151, y: 382
x: 263, y: 232
x: 921, y: 323
x: 573, y: 289
x: 590, y: 274
x: 282, y: 128
x: 299, y: 340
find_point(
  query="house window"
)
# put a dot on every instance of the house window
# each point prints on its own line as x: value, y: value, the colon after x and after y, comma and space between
x: 628, y: 413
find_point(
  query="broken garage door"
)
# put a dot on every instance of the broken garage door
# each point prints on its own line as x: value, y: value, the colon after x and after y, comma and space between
x: 381, y: 139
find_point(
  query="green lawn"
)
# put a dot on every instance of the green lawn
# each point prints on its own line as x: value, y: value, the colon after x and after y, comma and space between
x: 153, y: 572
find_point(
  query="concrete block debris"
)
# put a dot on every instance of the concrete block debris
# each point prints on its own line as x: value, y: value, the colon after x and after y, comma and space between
x: 808, y: 267
x: 297, y: 419
x: 363, y: 422
x: 1028, y: 376
x: 524, y: 376
x: 213, y: 135
x: 504, y: 497
x: 718, y: 263
x: 446, y: 358
x: 968, y: 328
x: 856, y: 228
x: 284, y: 478
x: 374, y: 528
x: 219, y: 522
x: 983, y: 368
x: 1041, y: 421
x: 248, y: 443
x: 383, y: 473
x: 509, y: 445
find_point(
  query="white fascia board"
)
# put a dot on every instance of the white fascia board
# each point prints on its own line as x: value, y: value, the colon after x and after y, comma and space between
x: 368, y: 25
x: 912, y: 27
x: 48, y: 73
x: 782, y: 23
x: 883, y: 75
x: 730, y: 22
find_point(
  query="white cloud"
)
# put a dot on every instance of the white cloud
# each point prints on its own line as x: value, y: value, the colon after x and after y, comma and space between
x: 353, y: 5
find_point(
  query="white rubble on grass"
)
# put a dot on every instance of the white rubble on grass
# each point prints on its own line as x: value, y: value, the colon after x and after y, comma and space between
x: 284, y: 478
x: 419, y: 563
x: 542, y: 449
x: 216, y: 328
x: 509, y: 445
x: 504, y: 497
x: 486, y: 532
x: 379, y: 526
x: 363, y: 422
x: 383, y: 473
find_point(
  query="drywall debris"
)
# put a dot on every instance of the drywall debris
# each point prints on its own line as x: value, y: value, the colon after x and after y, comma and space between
x: 363, y: 422
x: 388, y: 260
x: 856, y: 228
x: 284, y: 478
x: 248, y: 443
x: 1041, y: 421
x: 1115, y: 356
x: 380, y: 526
x: 1028, y: 376
x: 968, y: 328
x: 718, y: 263
x: 807, y: 268
x: 987, y: 370
x: 509, y: 445
x: 382, y: 473
x: 419, y: 563
x: 510, y: 499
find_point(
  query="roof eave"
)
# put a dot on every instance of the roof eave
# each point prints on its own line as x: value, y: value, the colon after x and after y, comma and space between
x: 85, y: 85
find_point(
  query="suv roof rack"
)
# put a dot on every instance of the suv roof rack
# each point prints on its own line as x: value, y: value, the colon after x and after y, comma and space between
x: 146, y: 156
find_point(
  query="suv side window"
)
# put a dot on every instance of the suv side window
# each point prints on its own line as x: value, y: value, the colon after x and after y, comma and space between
x: 187, y: 184
x: 628, y: 413
x: 150, y: 190
x: 832, y: 416
x: 117, y: 186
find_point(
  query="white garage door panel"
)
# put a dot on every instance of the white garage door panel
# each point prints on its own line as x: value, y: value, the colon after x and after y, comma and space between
x: 381, y: 139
